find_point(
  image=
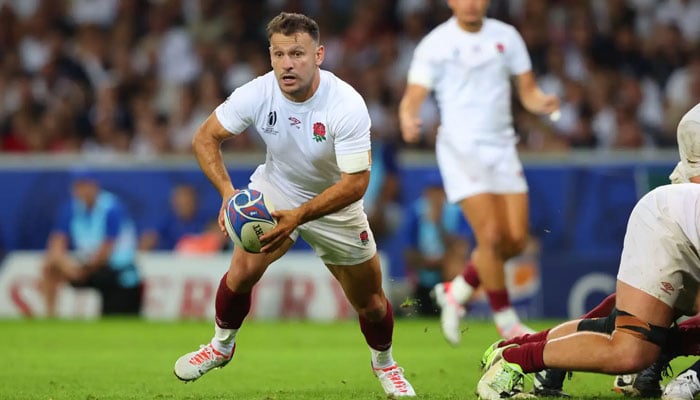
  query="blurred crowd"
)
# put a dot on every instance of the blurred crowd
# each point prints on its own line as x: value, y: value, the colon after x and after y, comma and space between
x: 137, y: 76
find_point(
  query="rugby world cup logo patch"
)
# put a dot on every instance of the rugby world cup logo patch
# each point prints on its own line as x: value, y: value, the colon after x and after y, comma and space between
x: 319, y: 132
x: 251, y: 206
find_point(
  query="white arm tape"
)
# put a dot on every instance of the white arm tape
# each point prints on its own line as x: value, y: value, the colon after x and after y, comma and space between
x: 417, y: 78
x: 356, y: 162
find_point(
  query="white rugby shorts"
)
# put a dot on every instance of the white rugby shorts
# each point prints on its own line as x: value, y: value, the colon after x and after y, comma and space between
x: 476, y: 166
x: 658, y: 259
x: 341, y: 238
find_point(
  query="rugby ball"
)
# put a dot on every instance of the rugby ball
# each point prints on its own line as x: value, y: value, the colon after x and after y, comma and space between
x: 248, y: 216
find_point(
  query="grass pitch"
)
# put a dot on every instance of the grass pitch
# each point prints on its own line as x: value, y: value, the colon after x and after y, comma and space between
x: 133, y: 359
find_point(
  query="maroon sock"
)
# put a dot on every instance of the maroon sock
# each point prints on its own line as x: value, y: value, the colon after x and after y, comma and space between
x: 686, y: 343
x: 526, y: 338
x: 603, y: 309
x: 691, y: 322
x: 471, y: 276
x: 378, y: 334
x: 498, y: 299
x: 529, y: 356
x: 231, y: 308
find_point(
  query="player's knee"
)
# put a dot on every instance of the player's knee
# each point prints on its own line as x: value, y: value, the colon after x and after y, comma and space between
x: 244, y: 275
x: 515, y: 245
x: 501, y: 243
x: 373, y: 310
x: 623, y: 365
x: 628, y: 359
x: 491, y: 239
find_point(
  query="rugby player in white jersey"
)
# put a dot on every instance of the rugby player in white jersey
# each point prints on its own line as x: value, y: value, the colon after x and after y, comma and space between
x: 468, y: 61
x: 657, y: 281
x: 681, y: 341
x: 317, y: 132
x: 647, y: 382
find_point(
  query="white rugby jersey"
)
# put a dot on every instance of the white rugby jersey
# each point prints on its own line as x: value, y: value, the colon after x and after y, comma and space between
x: 470, y: 74
x: 302, y: 139
x: 681, y: 204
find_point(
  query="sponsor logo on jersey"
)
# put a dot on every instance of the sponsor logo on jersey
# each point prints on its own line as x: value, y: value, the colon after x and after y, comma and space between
x: 270, y: 123
x: 319, y: 132
x: 294, y: 121
x: 667, y: 287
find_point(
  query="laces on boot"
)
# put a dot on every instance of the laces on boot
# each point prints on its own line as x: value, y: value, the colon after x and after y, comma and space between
x: 206, y: 353
x: 395, y: 375
x: 509, y: 383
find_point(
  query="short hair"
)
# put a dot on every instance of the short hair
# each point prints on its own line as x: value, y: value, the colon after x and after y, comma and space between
x: 291, y: 23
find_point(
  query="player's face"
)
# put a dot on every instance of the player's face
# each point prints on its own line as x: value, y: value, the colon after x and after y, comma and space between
x: 469, y: 13
x: 295, y: 60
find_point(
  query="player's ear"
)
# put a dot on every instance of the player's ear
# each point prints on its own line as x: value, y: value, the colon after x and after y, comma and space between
x: 320, y: 54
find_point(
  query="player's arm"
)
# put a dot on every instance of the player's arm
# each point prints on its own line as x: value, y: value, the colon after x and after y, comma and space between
x: 532, y: 97
x: 349, y: 189
x: 206, y: 145
x: 409, y: 110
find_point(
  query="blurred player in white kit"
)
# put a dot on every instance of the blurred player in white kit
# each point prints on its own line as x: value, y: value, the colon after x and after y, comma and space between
x: 468, y: 62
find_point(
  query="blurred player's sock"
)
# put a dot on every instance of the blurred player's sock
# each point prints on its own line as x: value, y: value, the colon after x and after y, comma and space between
x: 509, y: 325
x: 471, y: 278
x: 459, y: 289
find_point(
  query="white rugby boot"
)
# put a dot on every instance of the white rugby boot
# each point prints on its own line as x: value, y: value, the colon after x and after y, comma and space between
x: 451, y: 313
x: 393, y: 382
x: 193, y: 365
x: 501, y: 379
x: 684, y: 387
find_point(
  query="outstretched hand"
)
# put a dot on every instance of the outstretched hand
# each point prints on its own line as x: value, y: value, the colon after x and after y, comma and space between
x: 287, y: 222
